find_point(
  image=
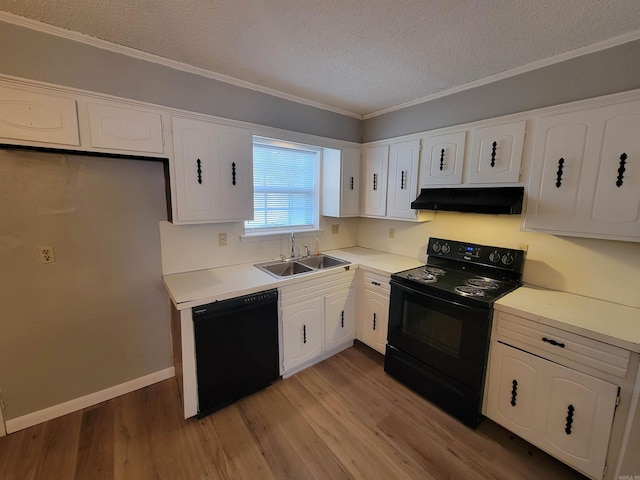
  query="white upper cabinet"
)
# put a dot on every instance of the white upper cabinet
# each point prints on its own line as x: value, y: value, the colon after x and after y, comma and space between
x: 585, y: 178
x: 116, y: 127
x: 442, y: 159
x: 341, y: 182
x: 35, y: 117
x: 374, y: 181
x: 402, y: 186
x: 213, y: 169
x: 496, y: 153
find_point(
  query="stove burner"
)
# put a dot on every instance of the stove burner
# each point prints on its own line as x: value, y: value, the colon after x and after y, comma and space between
x: 484, y: 283
x: 424, y: 277
x: 471, y: 291
x: 434, y: 270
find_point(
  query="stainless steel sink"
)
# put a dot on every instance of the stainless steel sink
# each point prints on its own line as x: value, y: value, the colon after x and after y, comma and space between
x: 322, y: 261
x: 287, y: 268
x: 284, y: 268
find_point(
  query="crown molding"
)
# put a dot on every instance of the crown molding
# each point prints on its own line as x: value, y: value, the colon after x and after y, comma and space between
x: 596, y: 47
x: 149, y: 57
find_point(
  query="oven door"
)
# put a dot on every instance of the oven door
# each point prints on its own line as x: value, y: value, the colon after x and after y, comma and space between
x: 449, y: 337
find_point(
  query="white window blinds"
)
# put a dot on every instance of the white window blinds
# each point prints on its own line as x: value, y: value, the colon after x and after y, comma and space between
x: 284, y: 187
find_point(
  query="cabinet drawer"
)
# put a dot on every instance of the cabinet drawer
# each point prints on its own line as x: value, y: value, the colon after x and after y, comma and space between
x: 375, y: 282
x: 560, y: 346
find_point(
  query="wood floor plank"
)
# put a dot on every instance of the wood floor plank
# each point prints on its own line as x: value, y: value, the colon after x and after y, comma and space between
x: 95, y: 445
x: 290, y: 446
x: 57, y: 459
x: 19, y: 453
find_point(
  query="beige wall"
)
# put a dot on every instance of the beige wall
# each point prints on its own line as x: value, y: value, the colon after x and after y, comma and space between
x: 99, y: 316
x: 603, y: 269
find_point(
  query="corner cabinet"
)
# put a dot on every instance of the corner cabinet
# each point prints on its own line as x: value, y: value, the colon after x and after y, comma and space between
x: 213, y: 169
x: 373, y: 310
x: 341, y: 182
x: 496, y: 153
x: 585, y: 178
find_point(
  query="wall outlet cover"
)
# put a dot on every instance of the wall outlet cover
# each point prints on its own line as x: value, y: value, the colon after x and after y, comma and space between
x: 335, y: 228
x: 47, y: 255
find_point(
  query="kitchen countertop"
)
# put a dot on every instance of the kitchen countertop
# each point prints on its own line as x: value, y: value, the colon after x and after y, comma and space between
x: 190, y: 289
x: 607, y: 322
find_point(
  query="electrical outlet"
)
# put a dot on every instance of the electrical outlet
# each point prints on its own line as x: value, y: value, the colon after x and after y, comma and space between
x: 335, y: 228
x: 47, y: 255
x: 392, y: 232
x: 222, y: 239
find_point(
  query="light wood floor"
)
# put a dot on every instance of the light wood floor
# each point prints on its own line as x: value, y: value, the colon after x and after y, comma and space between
x: 343, y: 418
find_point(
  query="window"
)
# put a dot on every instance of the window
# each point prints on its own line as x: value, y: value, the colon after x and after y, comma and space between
x: 285, y: 186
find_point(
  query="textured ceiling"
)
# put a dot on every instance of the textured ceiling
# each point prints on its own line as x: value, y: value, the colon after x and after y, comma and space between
x: 360, y: 56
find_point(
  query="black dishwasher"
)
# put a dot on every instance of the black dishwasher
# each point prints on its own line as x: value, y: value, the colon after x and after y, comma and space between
x: 236, y: 348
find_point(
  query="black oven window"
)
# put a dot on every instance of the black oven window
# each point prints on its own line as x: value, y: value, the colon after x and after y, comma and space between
x: 432, y: 328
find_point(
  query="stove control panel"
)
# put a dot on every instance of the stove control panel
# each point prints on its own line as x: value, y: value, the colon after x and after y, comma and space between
x: 499, y: 257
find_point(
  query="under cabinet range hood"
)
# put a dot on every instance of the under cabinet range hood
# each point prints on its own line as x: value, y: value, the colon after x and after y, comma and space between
x: 495, y: 200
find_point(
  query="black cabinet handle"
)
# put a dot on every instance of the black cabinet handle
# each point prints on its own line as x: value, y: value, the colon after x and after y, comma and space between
x: 351, y: 183
x: 514, y: 392
x: 559, y: 173
x: 375, y: 182
x: 621, y: 169
x: 199, y: 170
x: 441, y: 159
x: 567, y: 428
x: 552, y: 342
x: 233, y: 173
x: 304, y: 334
x: 375, y: 283
x: 494, y: 145
x: 342, y: 319
x: 402, y: 179
x: 374, y: 321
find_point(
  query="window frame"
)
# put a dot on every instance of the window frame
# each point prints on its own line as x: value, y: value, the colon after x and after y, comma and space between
x: 318, y: 151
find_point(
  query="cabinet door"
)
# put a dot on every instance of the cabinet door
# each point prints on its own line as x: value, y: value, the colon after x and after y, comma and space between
x: 402, y: 186
x: 375, y: 319
x: 119, y: 128
x: 302, y: 332
x: 213, y: 171
x: 26, y: 115
x: 512, y: 388
x: 340, y: 318
x: 350, y: 191
x: 616, y: 204
x: 496, y: 153
x: 374, y: 181
x: 442, y: 159
x: 562, y: 176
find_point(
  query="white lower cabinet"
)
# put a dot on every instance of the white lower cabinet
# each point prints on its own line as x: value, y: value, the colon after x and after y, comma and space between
x: 565, y: 412
x: 340, y: 318
x: 302, y: 331
x: 373, y: 314
x: 317, y: 319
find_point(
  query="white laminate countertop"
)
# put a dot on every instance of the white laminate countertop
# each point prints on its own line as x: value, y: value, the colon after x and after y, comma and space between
x: 607, y: 322
x: 190, y: 289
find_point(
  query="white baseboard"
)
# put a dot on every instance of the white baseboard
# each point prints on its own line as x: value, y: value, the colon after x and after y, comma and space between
x: 34, y: 418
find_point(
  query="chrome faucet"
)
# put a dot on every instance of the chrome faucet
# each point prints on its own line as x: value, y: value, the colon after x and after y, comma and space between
x: 293, y: 244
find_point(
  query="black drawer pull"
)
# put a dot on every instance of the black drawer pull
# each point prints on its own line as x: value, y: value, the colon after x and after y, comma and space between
x: 553, y: 342
x: 199, y: 170
x: 233, y: 173
x: 441, y: 159
x: 621, y: 169
x: 342, y: 319
x: 351, y: 186
x: 374, y: 321
x: 402, y: 180
x: 514, y: 392
x: 559, y: 173
x: 377, y: 284
x: 493, y: 154
x: 567, y: 428
x: 304, y: 334
x: 375, y: 182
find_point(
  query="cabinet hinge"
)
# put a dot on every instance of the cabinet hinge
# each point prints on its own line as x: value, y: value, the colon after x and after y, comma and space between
x: 604, y: 471
x: 618, y: 398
